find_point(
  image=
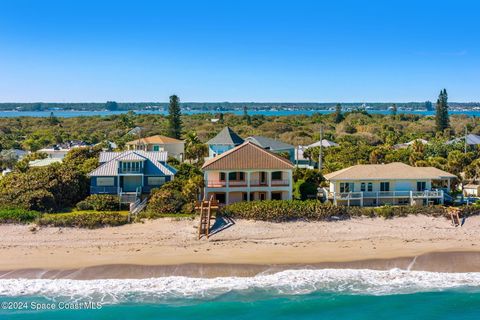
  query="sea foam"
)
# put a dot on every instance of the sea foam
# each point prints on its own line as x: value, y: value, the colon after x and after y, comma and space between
x: 288, y: 282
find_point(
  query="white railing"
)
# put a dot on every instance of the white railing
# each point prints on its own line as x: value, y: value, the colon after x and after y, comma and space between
x: 387, y: 194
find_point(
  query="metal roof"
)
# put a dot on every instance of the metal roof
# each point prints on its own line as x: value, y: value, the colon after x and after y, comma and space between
x: 155, y: 162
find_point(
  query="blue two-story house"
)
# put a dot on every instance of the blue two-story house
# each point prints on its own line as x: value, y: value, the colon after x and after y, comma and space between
x: 130, y: 172
x: 225, y: 140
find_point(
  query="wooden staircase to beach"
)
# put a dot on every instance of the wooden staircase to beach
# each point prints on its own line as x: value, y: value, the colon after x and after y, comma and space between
x: 207, y: 210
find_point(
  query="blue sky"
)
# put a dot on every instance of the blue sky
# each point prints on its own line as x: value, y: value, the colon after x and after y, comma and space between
x: 265, y: 51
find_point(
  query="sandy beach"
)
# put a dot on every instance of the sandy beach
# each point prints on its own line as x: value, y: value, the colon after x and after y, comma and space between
x: 170, y: 246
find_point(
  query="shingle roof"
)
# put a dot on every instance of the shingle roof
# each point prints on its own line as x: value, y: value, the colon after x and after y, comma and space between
x: 325, y: 143
x: 269, y: 144
x: 155, y: 139
x: 154, y: 162
x: 226, y: 136
x: 395, y: 171
x: 247, y: 156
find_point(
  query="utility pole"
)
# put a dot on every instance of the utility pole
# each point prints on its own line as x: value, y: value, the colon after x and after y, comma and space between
x: 320, y: 154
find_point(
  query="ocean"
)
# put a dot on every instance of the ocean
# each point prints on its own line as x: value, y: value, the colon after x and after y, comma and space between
x: 70, y: 114
x: 289, y: 294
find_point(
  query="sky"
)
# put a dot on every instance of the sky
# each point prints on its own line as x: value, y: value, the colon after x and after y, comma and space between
x: 239, y: 51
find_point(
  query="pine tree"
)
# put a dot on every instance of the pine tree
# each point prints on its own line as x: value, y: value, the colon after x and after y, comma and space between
x: 442, y: 120
x: 246, y: 116
x: 338, y: 113
x: 174, y: 120
x: 394, y: 110
x: 428, y: 106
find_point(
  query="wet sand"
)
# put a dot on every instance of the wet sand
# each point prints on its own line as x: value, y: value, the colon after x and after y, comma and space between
x: 434, y: 262
x: 170, y: 247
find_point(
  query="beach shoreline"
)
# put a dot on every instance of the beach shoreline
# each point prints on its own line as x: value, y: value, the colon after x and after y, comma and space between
x: 170, y: 246
x: 445, y: 262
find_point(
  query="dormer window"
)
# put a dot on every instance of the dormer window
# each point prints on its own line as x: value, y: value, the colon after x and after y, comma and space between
x: 131, y: 166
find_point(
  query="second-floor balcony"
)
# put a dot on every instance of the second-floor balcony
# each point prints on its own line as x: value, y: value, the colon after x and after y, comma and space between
x: 130, y: 170
x: 214, y: 183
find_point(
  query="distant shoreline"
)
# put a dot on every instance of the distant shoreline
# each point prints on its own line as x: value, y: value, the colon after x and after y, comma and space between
x: 272, y: 112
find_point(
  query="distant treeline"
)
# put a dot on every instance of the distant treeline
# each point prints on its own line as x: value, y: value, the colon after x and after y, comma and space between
x: 222, y: 106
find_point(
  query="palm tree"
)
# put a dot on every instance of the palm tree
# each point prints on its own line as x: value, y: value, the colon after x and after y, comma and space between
x: 194, y: 148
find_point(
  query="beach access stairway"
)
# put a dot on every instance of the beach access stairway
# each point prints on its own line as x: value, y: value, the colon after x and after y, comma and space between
x: 207, y: 211
x: 136, y: 207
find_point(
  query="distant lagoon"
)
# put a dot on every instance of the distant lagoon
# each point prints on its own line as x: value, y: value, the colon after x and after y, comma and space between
x: 71, y: 114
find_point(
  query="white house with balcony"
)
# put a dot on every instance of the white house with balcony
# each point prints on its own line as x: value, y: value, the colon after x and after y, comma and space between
x: 246, y: 173
x: 393, y: 183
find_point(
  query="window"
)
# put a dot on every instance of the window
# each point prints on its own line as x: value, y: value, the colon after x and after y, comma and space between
x: 362, y: 187
x: 155, y: 181
x: 277, y: 175
x: 384, y: 186
x: 262, y: 196
x: 105, y: 182
x: 369, y: 187
x: 222, y: 176
x: 236, y: 176
x: 245, y: 196
x: 276, y: 196
x: 346, y: 187
x: 220, y: 197
x: 421, y: 185
x: 156, y: 148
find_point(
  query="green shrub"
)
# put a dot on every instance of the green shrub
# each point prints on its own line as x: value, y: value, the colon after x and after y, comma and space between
x: 99, y: 202
x: 84, y: 219
x: 165, y: 201
x: 18, y: 215
x: 282, y: 210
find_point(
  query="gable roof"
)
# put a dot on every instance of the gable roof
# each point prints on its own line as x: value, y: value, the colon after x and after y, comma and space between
x: 226, y: 136
x: 155, y: 162
x: 156, y: 139
x: 247, y: 156
x: 394, y: 171
x: 269, y: 143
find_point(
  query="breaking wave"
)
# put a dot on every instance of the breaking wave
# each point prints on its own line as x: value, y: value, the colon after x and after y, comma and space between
x: 288, y: 282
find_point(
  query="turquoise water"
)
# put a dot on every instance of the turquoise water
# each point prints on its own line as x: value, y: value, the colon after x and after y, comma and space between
x: 290, y: 294
x: 318, y: 305
x: 69, y: 114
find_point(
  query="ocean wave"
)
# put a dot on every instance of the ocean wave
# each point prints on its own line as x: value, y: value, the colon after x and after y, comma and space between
x: 288, y: 282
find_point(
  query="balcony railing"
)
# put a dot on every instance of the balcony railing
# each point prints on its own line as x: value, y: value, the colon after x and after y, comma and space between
x: 104, y: 190
x: 244, y: 183
x: 280, y: 182
x: 386, y: 194
x: 130, y: 170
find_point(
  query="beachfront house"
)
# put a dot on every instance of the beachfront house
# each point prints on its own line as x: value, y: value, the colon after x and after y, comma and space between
x: 174, y: 147
x: 130, y: 173
x: 225, y: 140
x: 273, y: 145
x: 248, y: 172
x: 394, y: 183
